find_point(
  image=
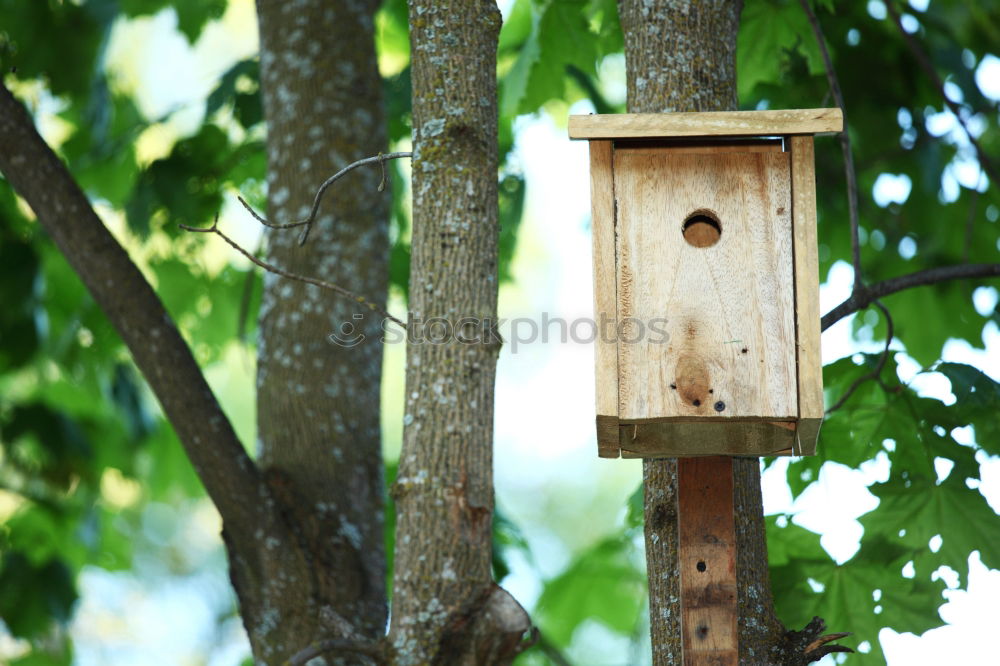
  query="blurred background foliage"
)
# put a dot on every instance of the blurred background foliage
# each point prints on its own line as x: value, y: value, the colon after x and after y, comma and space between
x: 93, y: 479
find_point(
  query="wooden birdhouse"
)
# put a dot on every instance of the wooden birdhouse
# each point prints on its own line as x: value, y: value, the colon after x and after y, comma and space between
x: 706, y: 281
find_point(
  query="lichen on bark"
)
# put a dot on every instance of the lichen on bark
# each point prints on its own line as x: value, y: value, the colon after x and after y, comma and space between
x: 318, y: 402
x: 446, y: 608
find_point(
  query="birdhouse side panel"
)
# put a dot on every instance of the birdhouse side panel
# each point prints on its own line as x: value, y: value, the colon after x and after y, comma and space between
x: 605, y: 349
x: 810, y: 364
x: 723, y: 298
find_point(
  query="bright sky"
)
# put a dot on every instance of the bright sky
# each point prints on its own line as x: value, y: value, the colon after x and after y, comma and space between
x: 548, y: 476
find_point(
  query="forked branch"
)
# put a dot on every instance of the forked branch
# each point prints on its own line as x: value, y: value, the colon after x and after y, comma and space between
x: 307, y: 221
x: 271, y: 268
x: 863, y: 297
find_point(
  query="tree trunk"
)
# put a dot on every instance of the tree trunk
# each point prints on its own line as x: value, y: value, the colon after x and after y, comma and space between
x: 446, y: 608
x: 696, y: 73
x: 317, y: 400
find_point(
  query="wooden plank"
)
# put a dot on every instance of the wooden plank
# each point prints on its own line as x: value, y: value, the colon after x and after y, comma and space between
x: 673, y: 439
x: 807, y: 316
x: 607, y: 437
x: 676, y: 146
x: 716, y: 123
x: 602, y: 206
x: 806, y: 437
x: 700, y: 338
x: 707, y: 561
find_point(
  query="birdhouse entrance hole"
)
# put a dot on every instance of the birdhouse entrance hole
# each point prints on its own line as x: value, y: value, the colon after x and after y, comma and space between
x: 702, y: 229
x: 737, y: 371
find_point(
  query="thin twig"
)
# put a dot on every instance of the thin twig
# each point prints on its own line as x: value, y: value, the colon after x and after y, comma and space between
x: 862, y: 298
x: 845, y: 142
x: 874, y: 374
x: 371, y: 650
x: 307, y: 221
x: 361, y: 300
x: 925, y: 64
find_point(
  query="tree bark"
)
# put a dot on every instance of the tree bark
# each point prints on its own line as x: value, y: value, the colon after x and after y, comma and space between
x: 696, y: 73
x: 318, y: 401
x: 446, y: 609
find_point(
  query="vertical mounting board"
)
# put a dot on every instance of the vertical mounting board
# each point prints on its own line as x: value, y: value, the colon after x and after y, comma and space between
x: 707, y: 561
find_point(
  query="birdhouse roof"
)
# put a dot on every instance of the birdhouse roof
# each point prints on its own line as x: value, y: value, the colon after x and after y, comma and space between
x: 707, y: 124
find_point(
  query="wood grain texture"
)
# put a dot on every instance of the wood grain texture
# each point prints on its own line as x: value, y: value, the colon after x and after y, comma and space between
x: 706, y: 522
x: 717, y: 123
x: 810, y: 364
x: 678, y: 146
x: 607, y: 437
x: 686, y: 438
x: 602, y: 204
x: 729, y: 348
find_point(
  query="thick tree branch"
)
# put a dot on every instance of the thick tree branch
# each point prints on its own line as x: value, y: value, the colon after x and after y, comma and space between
x: 38, y: 175
x: 928, y: 67
x: 866, y: 295
x: 271, y: 268
x: 845, y: 142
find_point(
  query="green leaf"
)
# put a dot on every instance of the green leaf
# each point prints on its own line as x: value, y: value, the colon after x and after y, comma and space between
x: 78, y: 30
x: 561, y: 36
x: 239, y: 87
x: 603, y: 583
x: 42, y: 441
x: 517, y: 28
x: 853, y: 433
x: 398, y: 92
x: 807, y: 583
x: 392, y: 29
x: 506, y: 536
x: 192, y: 15
x: 164, y: 468
x: 770, y: 30
x: 20, y: 318
x: 635, y: 516
x: 977, y: 402
x: 920, y: 509
x: 32, y: 596
x: 186, y: 185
